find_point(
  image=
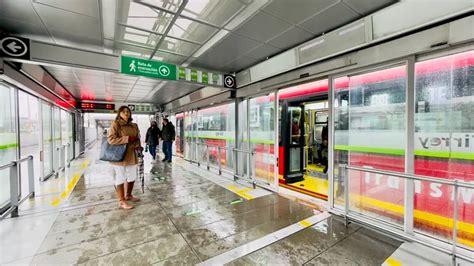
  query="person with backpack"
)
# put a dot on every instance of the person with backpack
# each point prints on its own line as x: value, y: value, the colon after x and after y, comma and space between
x: 153, y: 135
x: 168, y: 135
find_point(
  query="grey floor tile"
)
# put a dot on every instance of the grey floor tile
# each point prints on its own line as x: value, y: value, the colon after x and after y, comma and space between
x: 364, y: 247
x: 145, y: 254
x: 92, y: 249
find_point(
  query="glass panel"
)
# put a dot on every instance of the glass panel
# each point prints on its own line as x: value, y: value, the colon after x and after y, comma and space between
x: 188, y: 133
x: 171, y: 5
x: 70, y: 136
x: 177, y: 46
x: 29, y: 136
x: 216, y: 128
x: 56, y: 138
x: 179, y: 134
x: 151, y: 24
x: 190, y: 30
x: 444, y: 143
x: 262, y: 137
x: 8, y: 142
x: 217, y: 12
x: 370, y: 132
x: 47, y: 140
x: 243, y: 144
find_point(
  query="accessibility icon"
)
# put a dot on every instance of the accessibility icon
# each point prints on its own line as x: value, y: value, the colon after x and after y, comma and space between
x: 229, y: 81
x: 15, y: 47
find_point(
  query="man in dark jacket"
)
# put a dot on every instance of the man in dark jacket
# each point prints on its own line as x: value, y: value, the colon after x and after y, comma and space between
x: 153, y: 134
x: 168, y: 136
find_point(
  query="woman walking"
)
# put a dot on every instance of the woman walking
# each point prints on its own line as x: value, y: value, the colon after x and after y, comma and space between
x: 123, y: 131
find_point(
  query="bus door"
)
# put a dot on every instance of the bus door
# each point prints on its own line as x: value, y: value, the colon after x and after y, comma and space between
x: 180, y: 130
x: 293, y: 142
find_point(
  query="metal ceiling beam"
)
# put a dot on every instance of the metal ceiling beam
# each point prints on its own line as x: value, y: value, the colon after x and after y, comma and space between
x: 148, y: 48
x: 165, y: 34
x: 174, y: 13
x: 159, y: 34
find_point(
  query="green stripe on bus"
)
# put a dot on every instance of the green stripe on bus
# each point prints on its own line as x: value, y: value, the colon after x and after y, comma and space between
x: 371, y: 150
x: 446, y: 154
x: 8, y: 146
x: 260, y: 141
x: 438, y: 154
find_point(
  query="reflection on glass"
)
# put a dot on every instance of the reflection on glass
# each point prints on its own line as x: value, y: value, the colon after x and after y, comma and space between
x: 243, y: 142
x: 8, y: 143
x: 56, y: 137
x: 369, y: 112
x: 216, y: 128
x: 29, y: 136
x: 47, y: 140
x: 444, y: 143
x: 262, y: 137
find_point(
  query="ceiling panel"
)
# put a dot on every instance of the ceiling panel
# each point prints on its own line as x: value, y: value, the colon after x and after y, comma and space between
x: 73, y: 27
x: 296, y: 11
x: 368, y: 6
x: 241, y: 63
x: 331, y: 18
x: 263, y: 27
x: 19, y: 17
x: 228, y: 50
x: 262, y: 51
x: 173, y: 90
x: 84, y: 7
x: 291, y: 38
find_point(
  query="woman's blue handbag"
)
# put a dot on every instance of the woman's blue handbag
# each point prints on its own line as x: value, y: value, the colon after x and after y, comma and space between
x: 112, y: 153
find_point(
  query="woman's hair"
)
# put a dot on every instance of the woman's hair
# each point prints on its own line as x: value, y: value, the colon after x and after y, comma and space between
x: 123, y: 107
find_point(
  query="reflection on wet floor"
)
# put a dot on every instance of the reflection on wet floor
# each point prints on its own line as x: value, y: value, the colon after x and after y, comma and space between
x: 183, y: 218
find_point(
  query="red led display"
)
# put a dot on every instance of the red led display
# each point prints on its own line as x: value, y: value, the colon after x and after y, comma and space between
x: 96, y: 106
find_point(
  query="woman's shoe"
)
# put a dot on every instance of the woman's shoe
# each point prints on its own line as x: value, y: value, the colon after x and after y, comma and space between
x: 132, y: 198
x: 124, y: 205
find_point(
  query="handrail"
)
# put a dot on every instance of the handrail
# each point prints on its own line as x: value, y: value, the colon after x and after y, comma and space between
x: 15, y: 185
x: 5, y: 166
x: 458, y: 183
x: 13, y: 163
x: 244, y: 151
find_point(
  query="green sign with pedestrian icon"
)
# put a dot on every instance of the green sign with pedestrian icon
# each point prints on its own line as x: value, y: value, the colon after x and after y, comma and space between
x: 147, y: 68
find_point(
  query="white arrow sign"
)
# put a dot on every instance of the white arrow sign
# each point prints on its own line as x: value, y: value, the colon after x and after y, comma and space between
x: 12, y: 46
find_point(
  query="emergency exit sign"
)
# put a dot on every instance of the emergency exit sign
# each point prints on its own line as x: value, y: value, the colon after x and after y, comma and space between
x: 147, y: 68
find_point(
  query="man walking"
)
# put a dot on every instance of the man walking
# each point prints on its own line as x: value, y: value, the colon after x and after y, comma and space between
x: 168, y: 136
x: 152, y: 136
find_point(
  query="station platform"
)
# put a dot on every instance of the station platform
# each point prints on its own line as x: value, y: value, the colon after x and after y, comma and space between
x: 185, y: 217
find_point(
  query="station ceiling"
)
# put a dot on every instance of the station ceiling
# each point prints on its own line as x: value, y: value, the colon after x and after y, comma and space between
x: 222, y: 35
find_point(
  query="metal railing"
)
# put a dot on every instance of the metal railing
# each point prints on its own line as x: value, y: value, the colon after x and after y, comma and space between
x: 248, y: 155
x: 15, y: 185
x: 454, y: 183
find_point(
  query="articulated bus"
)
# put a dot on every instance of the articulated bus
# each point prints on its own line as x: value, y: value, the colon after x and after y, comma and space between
x: 370, y: 131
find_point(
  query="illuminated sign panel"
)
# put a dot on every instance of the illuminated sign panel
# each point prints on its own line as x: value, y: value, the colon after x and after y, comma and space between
x: 97, y: 106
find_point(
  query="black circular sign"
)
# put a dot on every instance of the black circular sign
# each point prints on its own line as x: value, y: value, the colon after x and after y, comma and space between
x: 229, y: 81
x: 14, y: 47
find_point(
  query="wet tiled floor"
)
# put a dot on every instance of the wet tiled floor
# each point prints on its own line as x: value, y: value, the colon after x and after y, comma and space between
x: 183, y: 218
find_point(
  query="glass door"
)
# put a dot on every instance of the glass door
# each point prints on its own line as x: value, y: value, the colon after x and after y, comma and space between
x: 261, y: 130
x: 8, y: 140
x: 47, y: 139
x: 56, y: 138
x: 293, y: 141
x: 29, y: 136
x: 370, y: 122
